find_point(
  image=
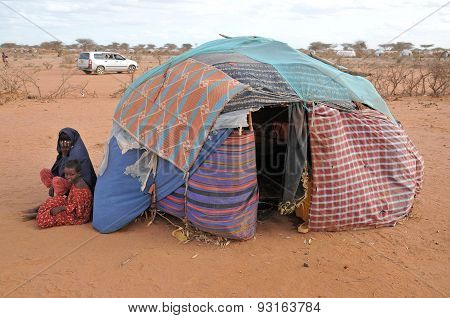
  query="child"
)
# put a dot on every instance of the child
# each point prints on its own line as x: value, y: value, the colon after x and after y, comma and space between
x: 71, y: 210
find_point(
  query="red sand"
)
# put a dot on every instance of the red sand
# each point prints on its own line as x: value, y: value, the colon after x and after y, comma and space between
x: 409, y: 260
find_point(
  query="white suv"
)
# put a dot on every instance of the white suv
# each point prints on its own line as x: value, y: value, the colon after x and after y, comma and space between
x: 101, y: 62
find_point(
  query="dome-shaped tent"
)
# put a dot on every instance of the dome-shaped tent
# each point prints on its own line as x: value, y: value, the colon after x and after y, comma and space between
x: 180, y: 138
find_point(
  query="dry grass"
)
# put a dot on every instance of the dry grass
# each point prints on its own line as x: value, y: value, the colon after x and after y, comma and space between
x: 396, y: 77
x: 184, y: 231
x: 18, y: 84
x: 393, y: 77
x: 120, y: 91
x: 47, y: 65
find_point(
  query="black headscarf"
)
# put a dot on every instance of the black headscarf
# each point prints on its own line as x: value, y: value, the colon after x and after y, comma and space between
x: 77, y: 152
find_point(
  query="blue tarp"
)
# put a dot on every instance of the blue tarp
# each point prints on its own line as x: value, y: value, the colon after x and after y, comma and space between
x: 118, y: 198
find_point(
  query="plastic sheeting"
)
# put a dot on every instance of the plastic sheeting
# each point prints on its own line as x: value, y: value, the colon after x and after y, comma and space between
x: 234, y: 119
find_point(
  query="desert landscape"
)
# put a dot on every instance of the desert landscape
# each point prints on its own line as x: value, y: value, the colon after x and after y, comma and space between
x: 408, y: 260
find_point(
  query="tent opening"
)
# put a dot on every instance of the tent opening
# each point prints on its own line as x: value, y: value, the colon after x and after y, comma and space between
x: 271, y: 134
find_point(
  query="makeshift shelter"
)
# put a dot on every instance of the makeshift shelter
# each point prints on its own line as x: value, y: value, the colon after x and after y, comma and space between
x: 247, y: 120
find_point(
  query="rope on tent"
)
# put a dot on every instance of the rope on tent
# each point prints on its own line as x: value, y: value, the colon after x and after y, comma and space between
x: 250, y: 121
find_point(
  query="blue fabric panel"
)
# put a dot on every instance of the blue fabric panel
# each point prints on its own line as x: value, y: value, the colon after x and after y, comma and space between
x: 118, y: 198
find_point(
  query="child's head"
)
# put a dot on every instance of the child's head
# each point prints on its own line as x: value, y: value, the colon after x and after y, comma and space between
x: 72, y: 170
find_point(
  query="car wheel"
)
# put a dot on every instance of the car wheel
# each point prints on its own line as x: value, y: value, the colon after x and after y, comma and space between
x: 131, y: 69
x: 100, y: 70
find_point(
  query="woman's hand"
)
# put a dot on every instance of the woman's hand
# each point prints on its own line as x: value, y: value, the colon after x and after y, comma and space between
x: 66, y: 145
x: 51, y: 191
x: 57, y: 210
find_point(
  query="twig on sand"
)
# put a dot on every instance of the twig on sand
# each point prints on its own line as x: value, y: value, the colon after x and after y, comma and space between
x: 128, y: 259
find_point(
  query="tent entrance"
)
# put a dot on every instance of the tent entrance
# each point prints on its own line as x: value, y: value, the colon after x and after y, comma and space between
x: 271, y: 129
x: 281, y: 150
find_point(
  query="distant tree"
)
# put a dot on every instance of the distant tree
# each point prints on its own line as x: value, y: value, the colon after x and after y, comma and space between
x: 359, y: 45
x: 114, y: 46
x: 170, y: 46
x: 124, y: 46
x: 317, y: 46
x: 347, y: 46
x: 387, y: 46
x: 53, y: 45
x: 71, y: 46
x: 400, y: 46
x: 150, y: 47
x: 186, y: 47
x: 9, y: 45
x: 139, y: 47
x: 86, y: 44
x: 426, y: 46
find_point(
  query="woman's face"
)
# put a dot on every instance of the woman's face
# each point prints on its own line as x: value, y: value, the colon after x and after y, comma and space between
x: 64, y: 140
x: 64, y: 143
x: 71, y: 174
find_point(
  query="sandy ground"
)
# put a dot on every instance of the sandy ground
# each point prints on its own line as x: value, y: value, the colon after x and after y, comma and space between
x: 411, y: 259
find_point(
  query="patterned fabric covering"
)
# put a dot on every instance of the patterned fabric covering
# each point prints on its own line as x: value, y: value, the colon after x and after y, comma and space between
x: 172, y: 113
x: 222, y: 195
x: 268, y: 87
x: 366, y: 171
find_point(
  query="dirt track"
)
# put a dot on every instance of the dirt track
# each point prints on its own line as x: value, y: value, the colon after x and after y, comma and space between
x: 411, y: 259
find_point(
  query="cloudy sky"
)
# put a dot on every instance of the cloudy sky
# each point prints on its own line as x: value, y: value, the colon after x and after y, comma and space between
x: 196, y: 21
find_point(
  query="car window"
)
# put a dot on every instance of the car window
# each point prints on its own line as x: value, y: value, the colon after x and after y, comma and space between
x: 119, y: 57
x: 84, y: 56
x: 99, y: 56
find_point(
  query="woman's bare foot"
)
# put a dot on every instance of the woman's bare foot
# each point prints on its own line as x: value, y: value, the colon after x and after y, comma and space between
x: 32, y: 210
x: 28, y: 216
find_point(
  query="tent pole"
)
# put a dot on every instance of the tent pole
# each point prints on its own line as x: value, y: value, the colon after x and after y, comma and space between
x: 250, y: 121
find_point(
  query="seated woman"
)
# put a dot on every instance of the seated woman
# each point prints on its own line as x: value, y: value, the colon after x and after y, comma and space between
x: 70, y: 146
x: 74, y: 209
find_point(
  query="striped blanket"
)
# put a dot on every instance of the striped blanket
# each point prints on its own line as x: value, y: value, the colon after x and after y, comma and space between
x: 222, y: 195
x: 366, y: 171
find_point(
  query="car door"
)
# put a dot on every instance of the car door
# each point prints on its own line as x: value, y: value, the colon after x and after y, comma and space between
x: 101, y: 59
x: 121, y: 62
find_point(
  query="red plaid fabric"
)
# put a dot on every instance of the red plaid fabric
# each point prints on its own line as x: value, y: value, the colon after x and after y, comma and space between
x: 366, y: 171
